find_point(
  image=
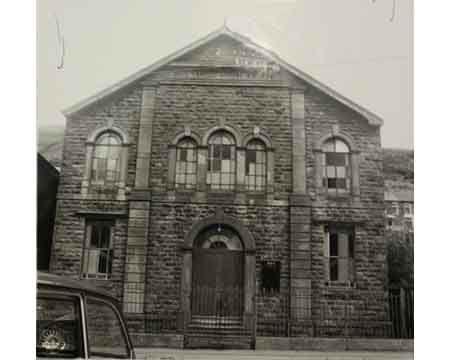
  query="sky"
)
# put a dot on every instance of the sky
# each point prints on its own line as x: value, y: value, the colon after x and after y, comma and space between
x: 361, y: 48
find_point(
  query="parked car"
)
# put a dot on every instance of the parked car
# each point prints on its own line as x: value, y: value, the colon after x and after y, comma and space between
x: 76, y: 320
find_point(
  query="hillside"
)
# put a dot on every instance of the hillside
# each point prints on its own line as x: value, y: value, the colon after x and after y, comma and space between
x: 50, y: 143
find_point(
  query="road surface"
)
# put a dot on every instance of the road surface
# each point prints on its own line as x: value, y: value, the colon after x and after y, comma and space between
x: 176, y: 354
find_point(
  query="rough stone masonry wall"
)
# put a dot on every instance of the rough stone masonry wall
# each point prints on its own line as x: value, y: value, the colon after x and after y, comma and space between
x: 171, y: 222
x: 122, y: 110
x: 67, y: 249
x: 202, y: 107
x: 365, y: 211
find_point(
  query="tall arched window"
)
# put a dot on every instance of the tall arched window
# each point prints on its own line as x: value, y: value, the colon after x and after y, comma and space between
x: 221, y: 161
x: 336, y: 168
x: 256, y: 166
x: 186, y: 164
x: 106, y: 160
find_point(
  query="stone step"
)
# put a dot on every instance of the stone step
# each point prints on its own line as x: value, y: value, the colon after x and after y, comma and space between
x: 218, y: 341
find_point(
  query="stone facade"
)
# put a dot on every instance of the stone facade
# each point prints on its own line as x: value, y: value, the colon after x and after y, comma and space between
x: 224, y: 84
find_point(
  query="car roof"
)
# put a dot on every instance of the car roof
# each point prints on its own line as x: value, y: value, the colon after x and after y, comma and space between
x: 44, y: 278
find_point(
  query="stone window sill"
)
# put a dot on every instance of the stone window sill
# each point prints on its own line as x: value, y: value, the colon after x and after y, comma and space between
x: 340, y: 284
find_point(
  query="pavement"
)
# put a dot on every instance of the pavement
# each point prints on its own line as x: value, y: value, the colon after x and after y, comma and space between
x: 182, y: 354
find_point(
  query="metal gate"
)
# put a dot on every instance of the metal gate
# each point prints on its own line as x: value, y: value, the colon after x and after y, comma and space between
x: 217, y: 291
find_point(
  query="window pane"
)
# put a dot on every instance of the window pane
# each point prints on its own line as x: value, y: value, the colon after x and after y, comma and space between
x: 182, y: 167
x: 182, y: 155
x: 226, y: 179
x: 113, y: 152
x: 190, y: 179
x: 97, y: 256
x: 341, y: 183
x: 336, y: 159
x: 329, y: 146
x: 95, y: 237
x: 216, y: 151
x: 101, y: 151
x: 221, y: 161
x: 331, y: 172
x: 260, y: 157
x: 215, y: 178
x: 333, y: 269
x: 341, y: 172
x: 190, y: 155
x: 341, y: 146
x: 343, y: 269
x: 331, y: 183
x: 190, y: 168
x: 58, y: 328
x: 105, y: 332
x: 226, y: 152
x: 333, y: 244
x: 226, y: 168
x: 251, y: 156
x: 105, y: 236
x: 181, y: 178
x: 216, y: 165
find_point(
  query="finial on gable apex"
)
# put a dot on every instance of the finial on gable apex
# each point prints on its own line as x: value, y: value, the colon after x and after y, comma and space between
x: 225, y: 25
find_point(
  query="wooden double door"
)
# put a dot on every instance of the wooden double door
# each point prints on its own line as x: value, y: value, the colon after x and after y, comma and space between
x: 217, y: 282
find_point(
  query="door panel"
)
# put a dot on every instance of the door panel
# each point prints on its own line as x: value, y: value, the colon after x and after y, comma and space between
x: 217, y: 282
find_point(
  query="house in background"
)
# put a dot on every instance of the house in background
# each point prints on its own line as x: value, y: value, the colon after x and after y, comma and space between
x: 398, y: 167
x: 223, y: 194
x: 47, y: 186
x: 399, y: 205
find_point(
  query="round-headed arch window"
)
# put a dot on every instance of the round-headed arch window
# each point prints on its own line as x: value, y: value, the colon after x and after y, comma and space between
x: 219, y: 236
x: 336, y: 167
x: 256, y: 165
x: 106, y: 159
x: 221, y: 161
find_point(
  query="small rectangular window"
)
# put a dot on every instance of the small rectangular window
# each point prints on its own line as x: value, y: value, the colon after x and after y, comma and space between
x: 408, y: 210
x: 339, y: 253
x: 392, y: 209
x: 98, y: 250
x: 270, y: 277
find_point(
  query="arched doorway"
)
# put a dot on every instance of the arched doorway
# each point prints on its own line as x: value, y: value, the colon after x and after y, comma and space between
x: 200, y: 230
x: 218, y: 274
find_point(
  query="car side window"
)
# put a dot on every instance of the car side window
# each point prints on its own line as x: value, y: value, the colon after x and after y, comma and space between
x: 105, y: 331
x: 58, y: 327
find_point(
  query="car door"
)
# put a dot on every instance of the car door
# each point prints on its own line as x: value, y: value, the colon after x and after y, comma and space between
x: 106, y: 333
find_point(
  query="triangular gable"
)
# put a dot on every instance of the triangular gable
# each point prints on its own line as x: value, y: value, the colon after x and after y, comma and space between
x: 179, y: 56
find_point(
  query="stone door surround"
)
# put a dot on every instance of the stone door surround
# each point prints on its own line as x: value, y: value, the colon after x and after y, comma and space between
x: 249, y: 265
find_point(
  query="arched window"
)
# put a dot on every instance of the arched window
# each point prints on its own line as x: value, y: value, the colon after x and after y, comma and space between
x: 221, y: 161
x: 186, y: 164
x: 256, y: 166
x: 106, y: 159
x: 336, y: 168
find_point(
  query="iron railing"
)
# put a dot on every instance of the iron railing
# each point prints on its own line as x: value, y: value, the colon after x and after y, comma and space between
x: 329, y: 312
x: 352, y: 313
